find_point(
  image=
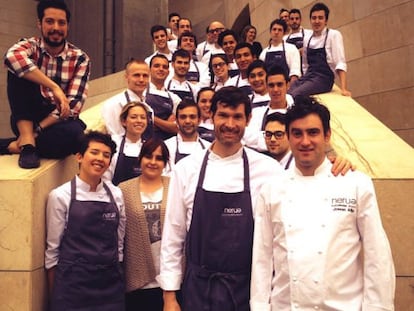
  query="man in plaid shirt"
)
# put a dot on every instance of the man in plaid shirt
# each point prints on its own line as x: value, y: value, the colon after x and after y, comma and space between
x: 47, y: 85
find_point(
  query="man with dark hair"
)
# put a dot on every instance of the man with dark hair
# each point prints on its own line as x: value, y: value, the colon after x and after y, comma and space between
x: 187, y: 141
x: 184, y: 25
x: 85, y: 220
x: 47, y: 84
x: 159, y: 38
x: 228, y: 40
x: 319, y: 242
x: 172, y: 30
x: 210, y: 209
x: 323, y: 57
x: 178, y: 84
x: 279, y: 53
x: 296, y: 31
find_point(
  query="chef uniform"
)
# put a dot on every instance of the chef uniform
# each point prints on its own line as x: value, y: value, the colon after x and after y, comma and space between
x: 88, y: 274
x: 258, y: 100
x: 126, y: 167
x: 185, y: 90
x: 241, y: 83
x: 179, y: 149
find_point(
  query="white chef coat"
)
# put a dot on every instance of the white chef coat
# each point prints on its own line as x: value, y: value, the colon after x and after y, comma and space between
x: 309, y: 235
x: 148, y: 59
x: 335, y: 53
x: 223, y: 175
x: 292, y: 56
x: 57, y: 213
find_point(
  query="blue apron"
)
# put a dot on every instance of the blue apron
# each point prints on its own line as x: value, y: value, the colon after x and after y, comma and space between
x: 126, y: 167
x: 184, y: 95
x: 193, y: 76
x: 206, y: 134
x: 219, y: 248
x: 179, y: 156
x: 277, y: 58
x: 88, y: 275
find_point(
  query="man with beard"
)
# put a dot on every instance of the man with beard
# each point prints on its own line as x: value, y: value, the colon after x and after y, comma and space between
x: 209, y: 207
x: 187, y: 141
x: 47, y: 85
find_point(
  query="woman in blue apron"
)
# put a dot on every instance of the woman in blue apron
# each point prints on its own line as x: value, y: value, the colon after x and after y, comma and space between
x: 319, y: 77
x: 135, y: 119
x: 217, y: 275
x: 88, y: 274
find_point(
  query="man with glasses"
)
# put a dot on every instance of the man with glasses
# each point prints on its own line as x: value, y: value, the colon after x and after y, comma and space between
x: 212, y: 32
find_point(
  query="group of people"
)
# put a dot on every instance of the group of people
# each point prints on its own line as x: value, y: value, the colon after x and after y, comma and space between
x: 215, y: 187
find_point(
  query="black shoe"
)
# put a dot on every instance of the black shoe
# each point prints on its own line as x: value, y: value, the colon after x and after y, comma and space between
x: 4, y: 144
x: 28, y: 157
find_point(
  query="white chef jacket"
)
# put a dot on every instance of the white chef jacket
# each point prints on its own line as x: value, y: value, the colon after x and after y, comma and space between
x: 223, y: 175
x: 148, y: 59
x: 111, y: 110
x: 310, y: 233
x: 184, y: 147
x: 186, y: 86
x: 334, y: 47
x: 57, y: 213
x: 292, y: 56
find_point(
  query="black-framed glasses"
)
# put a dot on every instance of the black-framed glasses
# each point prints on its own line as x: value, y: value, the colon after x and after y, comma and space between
x: 218, y: 30
x: 276, y: 134
x: 218, y: 65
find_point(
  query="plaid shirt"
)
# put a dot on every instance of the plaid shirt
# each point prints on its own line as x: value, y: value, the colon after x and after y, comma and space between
x: 70, y: 69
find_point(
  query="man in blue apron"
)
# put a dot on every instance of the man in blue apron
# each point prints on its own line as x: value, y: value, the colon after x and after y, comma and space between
x: 209, y: 210
x: 85, y: 232
x: 162, y: 102
x: 187, y: 141
x: 323, y: 56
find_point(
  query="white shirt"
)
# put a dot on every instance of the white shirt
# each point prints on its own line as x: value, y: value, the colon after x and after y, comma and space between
x: 310, y: 235
x: 206, y: 58
x: 335, y: 53
x: 237, y: 81
x: 186, y: 86
x: 203, y: 71
x: 148, y: 59
x: 112, y: 107
x: 253, y: 135
x: 184, y: 147
x: 203, y: 48
x: 222, y: 174
x: 57, y: 213
x: 256, y: 98
x: 130, y: 150
x: 292, y: 56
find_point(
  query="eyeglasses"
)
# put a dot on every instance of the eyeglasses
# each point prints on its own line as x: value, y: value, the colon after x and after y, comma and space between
x: 218, y: 30
x: 218, y: 65
x: 276, y: 134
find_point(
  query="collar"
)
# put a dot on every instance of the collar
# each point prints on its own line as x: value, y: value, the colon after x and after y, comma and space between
x: 214, y: 156
x: 180, y: 139
x: 63, y: 54
x: 83, y: 186
x: 322, y: 170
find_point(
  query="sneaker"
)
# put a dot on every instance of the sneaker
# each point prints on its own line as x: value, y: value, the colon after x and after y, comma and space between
x: 28, y: 157
x: 4, y: 144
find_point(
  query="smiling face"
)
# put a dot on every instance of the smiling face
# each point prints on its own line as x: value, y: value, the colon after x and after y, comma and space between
x: 277, y: 88
x: 244, y: 58
x: 159, y: 70
x: 153, y: 164
x: 181, y: 66
x: 94, y: 162
x: 229, y: 43
x: 308, y: 142
x: 188, y: 44
x: 318, y: 21
x: 220, y: 68
x: 257, y: 80
x: 135, y: 122
x: 277, y: 146
x: 204, y: 102
x: 160, y: 39
x: 188, y: 121
x: 54, y: 27
x: 137, y: 77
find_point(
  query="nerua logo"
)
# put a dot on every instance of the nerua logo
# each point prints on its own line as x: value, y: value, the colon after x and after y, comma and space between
x: 109, y: 216
x: 232, y: 211
x: 344, y: 204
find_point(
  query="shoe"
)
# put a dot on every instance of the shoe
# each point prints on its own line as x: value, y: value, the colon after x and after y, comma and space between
x: 28, y: 157
x: 4, y: 144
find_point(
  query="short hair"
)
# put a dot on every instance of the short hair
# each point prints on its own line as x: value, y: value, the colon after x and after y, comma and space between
x: 149, y: 146
x: 276, y: 117
x: 295, y: 11
x: 180, y: 53
x: 283, y: 10
x: 187, y: 19
x: 125, y: 110
x: 242, y: 45
x: 158, y: 56
x: 246, y: 30
x: 157, y: 28
x: 185, y: 103
x: 218, y: 55
x: 227, y: 32
x: 277, y: 70
x: 319, y: 7
x: 134, y: 61
x: 256, y: 64
x: 231, y: 96
x: 171, y: 15
x: 280, y: 22
x: 45, y: 4
x: 95, y: 136
x: 202, y: 90
x: 187, y: 34
x: 304, y: 106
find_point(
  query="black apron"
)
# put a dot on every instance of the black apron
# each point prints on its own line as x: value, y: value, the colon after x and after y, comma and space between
x: 126, y: 167
x: 219, y: 248
x: 206, y: 134
x: 193, y: 76
x: 319, y: 77
x: 179, y: 156
x: 150, y: 126
x: 184, y: 95
x: 277, y: 58
x: 163, y: 109
x: 88, y: 275
x: 297, y: 41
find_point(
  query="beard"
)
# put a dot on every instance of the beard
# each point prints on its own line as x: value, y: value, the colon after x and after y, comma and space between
x: 53, y: 43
